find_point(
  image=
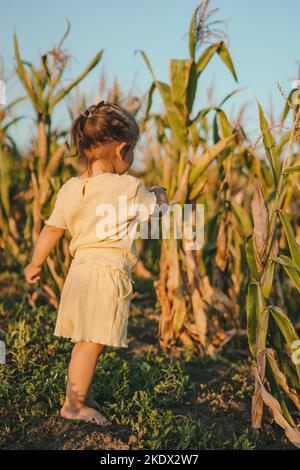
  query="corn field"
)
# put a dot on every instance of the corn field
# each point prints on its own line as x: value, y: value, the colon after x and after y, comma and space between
x: 242, y: 288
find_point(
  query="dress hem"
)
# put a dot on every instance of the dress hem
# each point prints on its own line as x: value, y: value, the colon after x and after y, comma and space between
x: 92, y: 340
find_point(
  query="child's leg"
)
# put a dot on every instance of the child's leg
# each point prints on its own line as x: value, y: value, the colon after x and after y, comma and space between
x: 81, y: 370
x: 90, y: 400
x: 89, y: 395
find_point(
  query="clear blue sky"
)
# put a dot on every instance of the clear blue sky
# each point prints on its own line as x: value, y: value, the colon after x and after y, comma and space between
x: 263, y: 40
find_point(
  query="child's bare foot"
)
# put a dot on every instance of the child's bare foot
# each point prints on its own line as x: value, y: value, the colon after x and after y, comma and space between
x: 86, y: 414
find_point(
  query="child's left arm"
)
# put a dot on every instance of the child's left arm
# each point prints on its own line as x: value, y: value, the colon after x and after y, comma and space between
x: 48, y: 238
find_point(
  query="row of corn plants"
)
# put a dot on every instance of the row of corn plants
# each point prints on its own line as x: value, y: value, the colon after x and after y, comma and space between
x: 202, y: 292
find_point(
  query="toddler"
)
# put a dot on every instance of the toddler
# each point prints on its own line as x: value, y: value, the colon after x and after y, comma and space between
x: 101, y: 209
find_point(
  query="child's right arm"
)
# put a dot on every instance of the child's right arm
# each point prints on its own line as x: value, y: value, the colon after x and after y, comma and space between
x: 47, y: 239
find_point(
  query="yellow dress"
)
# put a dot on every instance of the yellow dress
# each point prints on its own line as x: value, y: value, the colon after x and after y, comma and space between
x: 102, y: 214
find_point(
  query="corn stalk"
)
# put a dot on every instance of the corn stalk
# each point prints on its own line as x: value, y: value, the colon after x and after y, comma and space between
x: 271, y: 334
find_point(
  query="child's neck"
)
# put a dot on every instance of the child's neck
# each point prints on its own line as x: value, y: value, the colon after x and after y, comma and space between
x: 97, y: 169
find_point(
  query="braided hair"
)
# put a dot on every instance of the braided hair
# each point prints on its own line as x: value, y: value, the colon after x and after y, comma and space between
x: 100, y: 126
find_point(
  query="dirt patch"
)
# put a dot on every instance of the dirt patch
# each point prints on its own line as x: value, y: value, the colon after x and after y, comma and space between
x: 50, y: 433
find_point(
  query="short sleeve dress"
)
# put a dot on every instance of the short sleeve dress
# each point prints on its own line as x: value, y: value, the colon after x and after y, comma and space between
x: 101, y: 214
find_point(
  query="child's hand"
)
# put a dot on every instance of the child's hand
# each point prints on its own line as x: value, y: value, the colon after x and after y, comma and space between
x: 160, y: 193
x: 31, y: 273
x: 161, y: 201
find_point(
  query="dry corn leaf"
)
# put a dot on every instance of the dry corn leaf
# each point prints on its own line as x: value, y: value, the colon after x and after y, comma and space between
x: 260, y: 215
x: 293, y: 434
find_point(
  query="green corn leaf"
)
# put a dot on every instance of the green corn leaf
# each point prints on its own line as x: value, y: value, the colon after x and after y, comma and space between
x: 192, y: 30
x: 5, y: 180
x: 241, y: 218
x: 286, y: 328
x: 191, y: 89
x: 252, y: 258
x: 12, y: 122
x: 44, y: 61
x: 269, y: 144
x: 183, y: 85
x: 287, y: 106
x: 173, y: 115
x: 289, y: 233
x: 226, y: 58
x: 288, y: 262
x: 38, y: 84
x: 224, y: 125
x: 150, y: 97
x: 267, y: 173
x: 275, y: 388
x: 206, y: 57
x: 254, y: 309
x: 65, y: 91
x: 292, y: 169
x: 283, y: 141
x: 200, y: 116
x: 194, y: 135
x: 232, y: 93
x: 221, y: 49
x: 147, y: 62
x: 24, y: 76
x: 290, y: 372
x: 220, y: 114
x: 292, y: 270
x: 267, y: 279
x: 204, y: 160
x: 252, y: 318
x: 184, y: 167
x: 281, y: 379
x: 198, y: 187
